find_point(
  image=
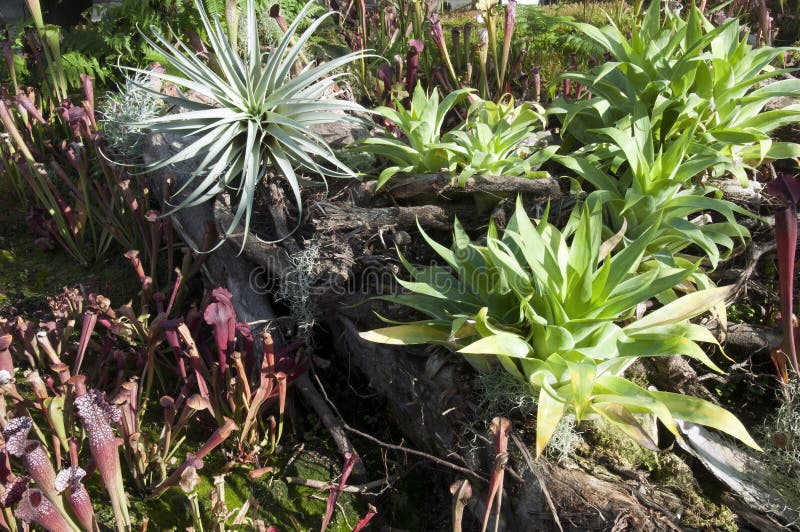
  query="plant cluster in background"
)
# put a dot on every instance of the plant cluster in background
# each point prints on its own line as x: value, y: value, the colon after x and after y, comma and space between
x: 108, y: 35
x: 494, y: 49
x: 690, y: 76
x: 489, y: 141
x: 54, y: 158
x: 93, y: 46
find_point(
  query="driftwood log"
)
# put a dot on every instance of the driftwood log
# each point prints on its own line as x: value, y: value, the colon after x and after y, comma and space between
x: 426, y: 390
x: 443, y: 185
x: 332, y: 218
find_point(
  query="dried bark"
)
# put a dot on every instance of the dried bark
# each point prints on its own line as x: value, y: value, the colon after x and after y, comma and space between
x: 328, y: 217
x: 442, y: 185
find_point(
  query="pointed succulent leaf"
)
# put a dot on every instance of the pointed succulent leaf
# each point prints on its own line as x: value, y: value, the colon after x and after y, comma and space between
x: 407, y: 335
x: 702, y: 412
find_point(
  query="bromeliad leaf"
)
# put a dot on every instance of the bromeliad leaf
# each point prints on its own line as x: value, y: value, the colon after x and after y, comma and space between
x: 683, y: 309
x: 702, y: 412
x: 506, y: 344
x: 550, y: 409
x: 619, y: 417
x: 407, y: 335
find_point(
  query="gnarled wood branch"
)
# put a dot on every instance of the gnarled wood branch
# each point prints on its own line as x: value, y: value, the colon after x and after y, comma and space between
x: 442, y: 185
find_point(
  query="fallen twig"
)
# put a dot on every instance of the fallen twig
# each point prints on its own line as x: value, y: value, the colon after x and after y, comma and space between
x: 415, y: 452
x: 401, y: 448
x: 349, y: 488
x: 526, y: 454
x: 330, y: 420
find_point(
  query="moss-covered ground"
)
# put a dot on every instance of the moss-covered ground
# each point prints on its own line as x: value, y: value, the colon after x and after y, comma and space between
x: 29, y: 274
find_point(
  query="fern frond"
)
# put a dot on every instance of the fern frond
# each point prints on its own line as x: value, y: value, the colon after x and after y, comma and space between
x: 215, y: 8
x: 75, y: 64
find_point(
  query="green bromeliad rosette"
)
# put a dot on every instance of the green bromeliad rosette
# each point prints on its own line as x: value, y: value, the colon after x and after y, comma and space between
x: 424, y: 150
x: 690, y: 75
x: 489, y: 142
x: 557, y: 310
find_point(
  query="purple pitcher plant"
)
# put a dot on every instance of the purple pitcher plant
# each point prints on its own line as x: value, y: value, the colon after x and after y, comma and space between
x: 90, y: 415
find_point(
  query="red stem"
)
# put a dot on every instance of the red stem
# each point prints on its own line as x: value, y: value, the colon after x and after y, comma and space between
x: 786, y: 237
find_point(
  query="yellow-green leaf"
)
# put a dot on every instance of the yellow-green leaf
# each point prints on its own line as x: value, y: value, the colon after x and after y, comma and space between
x: 581, y: 375
x: 624, y: 421
x: 499, y: 344
x: 406, y: 335
x: 549, y: 413
x: 702, y: 412
x: 625, y: 393
x: 683, y: 308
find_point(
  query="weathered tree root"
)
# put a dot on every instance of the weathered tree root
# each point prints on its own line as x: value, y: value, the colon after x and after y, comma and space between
x: 272, y: 257
x: 442, y: 185
x: 751, y: 339
x: 328, y: 217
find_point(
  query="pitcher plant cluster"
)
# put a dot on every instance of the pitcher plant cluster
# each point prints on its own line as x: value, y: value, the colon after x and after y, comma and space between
x: 75, y: 412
